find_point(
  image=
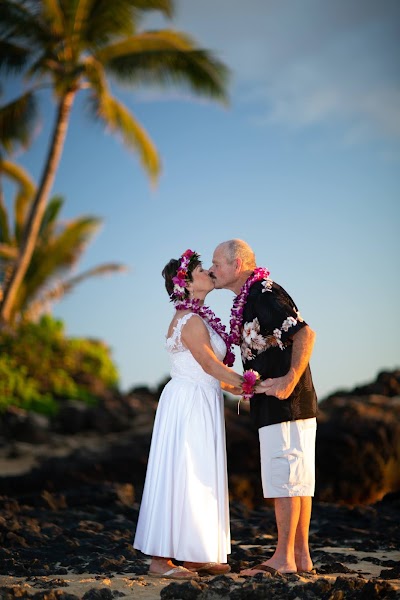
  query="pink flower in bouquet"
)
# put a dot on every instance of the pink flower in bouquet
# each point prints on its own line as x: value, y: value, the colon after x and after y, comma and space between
x: 250, y: 380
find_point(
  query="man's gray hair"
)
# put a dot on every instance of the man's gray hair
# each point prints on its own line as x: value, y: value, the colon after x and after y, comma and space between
x: 239, y: 249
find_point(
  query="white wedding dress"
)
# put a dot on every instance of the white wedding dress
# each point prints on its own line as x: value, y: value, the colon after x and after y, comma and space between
x: 184, y: 512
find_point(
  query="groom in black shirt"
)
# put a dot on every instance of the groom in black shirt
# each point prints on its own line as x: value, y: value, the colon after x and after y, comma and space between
x: 277, y: 343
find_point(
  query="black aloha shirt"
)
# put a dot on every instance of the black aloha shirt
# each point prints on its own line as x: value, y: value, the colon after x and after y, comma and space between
x: 270, y: 320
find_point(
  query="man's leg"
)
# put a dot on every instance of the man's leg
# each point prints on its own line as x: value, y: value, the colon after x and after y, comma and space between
x: 292, y: 513
x: 301, y: 547
x: 287, y: 512
x: 292, y: 536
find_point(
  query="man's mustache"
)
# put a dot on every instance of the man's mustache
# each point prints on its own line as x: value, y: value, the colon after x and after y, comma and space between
x: 212, y: 275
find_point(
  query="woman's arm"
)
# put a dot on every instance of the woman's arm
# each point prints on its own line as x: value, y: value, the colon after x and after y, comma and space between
x: 196, y: 339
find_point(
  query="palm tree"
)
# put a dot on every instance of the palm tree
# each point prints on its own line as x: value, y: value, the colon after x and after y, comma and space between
x: 72, y: 45
x: 57, y: 250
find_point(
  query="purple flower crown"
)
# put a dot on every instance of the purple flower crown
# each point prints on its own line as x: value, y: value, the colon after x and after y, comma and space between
x: 182, y: 276
x: 178, y: 296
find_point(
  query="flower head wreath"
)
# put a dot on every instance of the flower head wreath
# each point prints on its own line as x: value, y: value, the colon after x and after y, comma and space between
x: 181, y: 302
x: 181, y: 279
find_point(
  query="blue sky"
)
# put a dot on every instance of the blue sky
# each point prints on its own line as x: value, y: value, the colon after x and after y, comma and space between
x: 304, y: 165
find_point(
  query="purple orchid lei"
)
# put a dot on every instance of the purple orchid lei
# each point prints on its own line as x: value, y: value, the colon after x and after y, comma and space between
x: 215, y: 323
x: 236, y: 320
x: 239, y: 302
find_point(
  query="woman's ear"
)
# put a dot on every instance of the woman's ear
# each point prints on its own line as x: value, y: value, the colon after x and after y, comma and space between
x: 190, y: 288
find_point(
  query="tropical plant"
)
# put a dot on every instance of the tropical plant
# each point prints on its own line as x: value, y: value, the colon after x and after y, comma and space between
x: 25, y: 190
x: 16, y: 128
x: 74, y: 45
x: 58, y: 247
x: 17, y: 119
x: 40, y: 366
x: 17, y: 388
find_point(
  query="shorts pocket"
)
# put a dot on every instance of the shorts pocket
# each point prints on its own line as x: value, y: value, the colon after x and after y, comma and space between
x: 296, y: 468
x: 280, y: 471
x: 287, y: 470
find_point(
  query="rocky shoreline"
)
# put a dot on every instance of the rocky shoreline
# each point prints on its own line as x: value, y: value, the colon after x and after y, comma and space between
x: 70, y: 492
x: 54, y: 543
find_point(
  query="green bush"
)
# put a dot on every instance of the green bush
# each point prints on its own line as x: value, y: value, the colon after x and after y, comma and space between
x: 40, y: 365
x: 18, y: 389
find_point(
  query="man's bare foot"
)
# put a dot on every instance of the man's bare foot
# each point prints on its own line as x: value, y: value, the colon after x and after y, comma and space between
x: 267, y: 567
x: 304, y: 563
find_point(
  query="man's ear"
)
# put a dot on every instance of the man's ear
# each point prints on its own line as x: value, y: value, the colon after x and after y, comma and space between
x: 239, y: 263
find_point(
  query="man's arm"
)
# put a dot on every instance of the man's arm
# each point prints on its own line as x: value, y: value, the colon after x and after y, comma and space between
x: 282, y: 387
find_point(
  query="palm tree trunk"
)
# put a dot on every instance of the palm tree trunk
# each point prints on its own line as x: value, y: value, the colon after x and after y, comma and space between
x: 38, y: 207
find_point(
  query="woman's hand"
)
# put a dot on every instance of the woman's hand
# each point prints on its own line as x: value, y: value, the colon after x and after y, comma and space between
x: 236, y: 391
x: 231, y: 389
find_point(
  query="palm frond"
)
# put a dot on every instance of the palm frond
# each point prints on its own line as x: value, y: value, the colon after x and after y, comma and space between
x: 49, y: 223
x: 53, y: 16
x: 17, y: 119
x: 25, y: 193
x: 45, y: 64
x: 4, y: 225
x: 68, y: 284
x: 166, y: 57
x: 18, y: 175
x: 146, y: 42
x: 58, y: 290
x: 20, y: 21
x: 108, y: 20
x: 68, y: 245
x: 13, y: 58
x: 64, y: 248
x: 8, y: 252
x: 57, y: 256
x: 96, y: 76
x: 120, y: 120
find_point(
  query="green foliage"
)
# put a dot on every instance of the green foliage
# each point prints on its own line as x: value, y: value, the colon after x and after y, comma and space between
x: 18, y: 389
x: 59, y: 246
x: 40, y: 366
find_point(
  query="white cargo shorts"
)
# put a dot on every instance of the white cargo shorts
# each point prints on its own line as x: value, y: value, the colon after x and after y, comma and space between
x: 288, y: 458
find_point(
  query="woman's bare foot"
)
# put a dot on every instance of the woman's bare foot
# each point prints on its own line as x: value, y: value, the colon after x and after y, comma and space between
x: 164, y: 567
x: 209, y: 568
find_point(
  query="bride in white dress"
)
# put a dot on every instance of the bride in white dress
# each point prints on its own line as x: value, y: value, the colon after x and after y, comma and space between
x: 184, y: 513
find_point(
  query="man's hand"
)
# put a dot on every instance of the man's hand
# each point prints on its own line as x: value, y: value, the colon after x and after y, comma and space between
x: 280, y: 387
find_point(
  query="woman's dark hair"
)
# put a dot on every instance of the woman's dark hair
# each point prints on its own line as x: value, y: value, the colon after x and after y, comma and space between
x: 170, y: 270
